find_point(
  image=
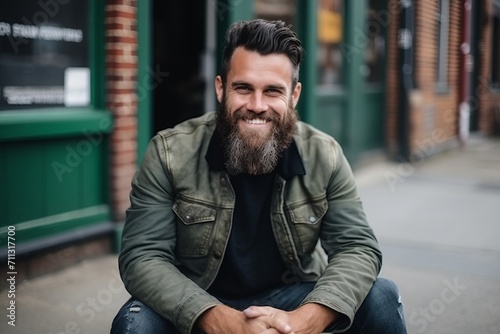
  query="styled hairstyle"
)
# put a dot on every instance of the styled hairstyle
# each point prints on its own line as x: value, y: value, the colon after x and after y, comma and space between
x: 264, y: 37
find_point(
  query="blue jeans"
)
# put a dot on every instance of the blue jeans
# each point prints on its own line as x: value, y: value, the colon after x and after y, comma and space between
x: 380, y: 313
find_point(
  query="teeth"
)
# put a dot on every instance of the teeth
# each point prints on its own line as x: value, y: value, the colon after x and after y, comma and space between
x: 256, y: 121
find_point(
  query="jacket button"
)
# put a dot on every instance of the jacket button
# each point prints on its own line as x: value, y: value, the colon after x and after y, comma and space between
x: 223, y: 180
x: 312, y: 219
x: 217, y: 254
x: 290, y: 257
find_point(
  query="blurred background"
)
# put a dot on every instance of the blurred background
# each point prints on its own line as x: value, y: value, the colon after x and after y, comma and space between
x: 411, y: 90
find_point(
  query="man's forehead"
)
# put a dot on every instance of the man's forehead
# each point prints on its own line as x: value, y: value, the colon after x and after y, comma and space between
x: 251, y: 64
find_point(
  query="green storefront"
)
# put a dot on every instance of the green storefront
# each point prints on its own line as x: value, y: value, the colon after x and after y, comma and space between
x: 53, y: 123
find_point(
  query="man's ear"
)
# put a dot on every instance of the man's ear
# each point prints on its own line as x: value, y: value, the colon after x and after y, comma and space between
x: 296, y: 94
x: 219, y: 88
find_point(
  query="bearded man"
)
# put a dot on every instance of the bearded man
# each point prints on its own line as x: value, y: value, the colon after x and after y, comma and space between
x: 246, y: 220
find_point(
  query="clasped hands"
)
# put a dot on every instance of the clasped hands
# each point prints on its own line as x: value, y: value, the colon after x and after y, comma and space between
x: 310, y: 318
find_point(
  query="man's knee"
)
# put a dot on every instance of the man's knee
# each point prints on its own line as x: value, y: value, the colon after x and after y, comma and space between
x: 384, y: 290
x: 382, y: 309
x: 135, y: 317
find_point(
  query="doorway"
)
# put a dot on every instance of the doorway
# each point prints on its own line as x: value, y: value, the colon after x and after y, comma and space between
x: 180, y: 48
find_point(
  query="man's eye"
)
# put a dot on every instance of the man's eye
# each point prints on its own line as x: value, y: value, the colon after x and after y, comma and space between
x: 243, y: 89
x: 273, y: 92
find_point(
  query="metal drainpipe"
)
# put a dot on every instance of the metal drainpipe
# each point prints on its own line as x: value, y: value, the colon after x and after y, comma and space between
x: 406, y: 45
x: 466, y: 65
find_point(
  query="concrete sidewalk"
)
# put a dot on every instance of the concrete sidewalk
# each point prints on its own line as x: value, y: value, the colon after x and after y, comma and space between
x: 438, y: 223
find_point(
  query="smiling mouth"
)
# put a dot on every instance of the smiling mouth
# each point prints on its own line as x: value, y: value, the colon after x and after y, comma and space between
x: 256, y: 121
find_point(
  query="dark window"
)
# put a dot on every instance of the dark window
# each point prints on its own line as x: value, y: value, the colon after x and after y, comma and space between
x: 44, y: 54
x: 377, y: 20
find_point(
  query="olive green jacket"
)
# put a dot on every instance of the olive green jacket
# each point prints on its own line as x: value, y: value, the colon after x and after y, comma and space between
x: 180, y: 217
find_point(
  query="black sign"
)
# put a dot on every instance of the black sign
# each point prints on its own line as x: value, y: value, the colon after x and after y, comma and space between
x: 44, y: 56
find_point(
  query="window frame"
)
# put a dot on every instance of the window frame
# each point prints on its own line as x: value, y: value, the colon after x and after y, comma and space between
x: 50, y: 122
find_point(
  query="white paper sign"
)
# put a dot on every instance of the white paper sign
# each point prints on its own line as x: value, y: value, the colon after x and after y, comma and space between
x: 77, y: 86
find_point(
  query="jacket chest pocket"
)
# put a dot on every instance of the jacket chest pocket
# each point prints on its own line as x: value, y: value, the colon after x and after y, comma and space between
x: 195, y: 223
x: 306, y: 221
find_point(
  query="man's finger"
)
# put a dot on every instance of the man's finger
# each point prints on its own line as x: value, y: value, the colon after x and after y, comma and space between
x: 280, y: 325
x: 266, y: 315
x: 254, y: 312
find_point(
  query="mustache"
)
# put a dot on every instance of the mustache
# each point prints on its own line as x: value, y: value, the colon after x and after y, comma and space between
x: 249, y: 115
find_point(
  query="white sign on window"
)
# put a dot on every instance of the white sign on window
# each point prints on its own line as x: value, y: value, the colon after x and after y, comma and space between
x: 77, y: 86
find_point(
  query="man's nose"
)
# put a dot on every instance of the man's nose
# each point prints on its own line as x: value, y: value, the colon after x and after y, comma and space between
x: 257, y: 103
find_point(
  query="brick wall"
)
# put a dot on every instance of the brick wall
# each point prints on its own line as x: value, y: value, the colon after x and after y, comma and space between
x: 433, y: 118
x: 121, y: 77
x: 392, y: 83
x: 433, y: 114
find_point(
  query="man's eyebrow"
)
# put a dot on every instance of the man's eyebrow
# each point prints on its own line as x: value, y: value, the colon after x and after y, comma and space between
x: 240, y: 83
x: 276, y: 87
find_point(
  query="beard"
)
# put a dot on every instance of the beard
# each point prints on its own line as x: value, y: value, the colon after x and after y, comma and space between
x: 252, y: 152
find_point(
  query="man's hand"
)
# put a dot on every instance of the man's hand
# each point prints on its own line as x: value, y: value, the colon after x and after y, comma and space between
x: 223, y: 319
x: 310, y: 318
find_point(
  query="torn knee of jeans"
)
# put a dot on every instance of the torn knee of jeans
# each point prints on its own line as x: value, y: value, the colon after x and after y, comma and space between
x: 135, y: 309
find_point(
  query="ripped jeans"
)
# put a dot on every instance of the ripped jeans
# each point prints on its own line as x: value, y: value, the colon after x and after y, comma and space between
x: 380, y: 313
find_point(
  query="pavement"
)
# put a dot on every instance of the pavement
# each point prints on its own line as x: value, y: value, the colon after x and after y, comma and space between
x: 437, y: 221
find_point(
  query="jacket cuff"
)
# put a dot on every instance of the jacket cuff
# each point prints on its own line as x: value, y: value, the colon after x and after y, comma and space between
x: 190, y: 308
x: 337, y: 302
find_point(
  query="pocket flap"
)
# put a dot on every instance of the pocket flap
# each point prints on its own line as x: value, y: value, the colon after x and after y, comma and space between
x: 193, y: 213
x: 308, y: 213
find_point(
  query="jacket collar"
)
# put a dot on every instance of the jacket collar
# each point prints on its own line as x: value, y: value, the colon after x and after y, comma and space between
x: 289, y: 165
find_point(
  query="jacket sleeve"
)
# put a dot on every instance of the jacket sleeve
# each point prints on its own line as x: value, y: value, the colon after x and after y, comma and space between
x: 146, y: 260
x: 354, y: 257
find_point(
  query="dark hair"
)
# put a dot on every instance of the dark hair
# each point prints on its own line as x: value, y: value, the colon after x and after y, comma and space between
x: 264, y: 37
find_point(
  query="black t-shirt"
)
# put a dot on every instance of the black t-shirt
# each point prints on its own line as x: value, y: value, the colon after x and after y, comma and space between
x: 252, y: 262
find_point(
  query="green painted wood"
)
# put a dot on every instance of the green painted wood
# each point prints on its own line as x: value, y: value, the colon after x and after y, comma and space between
x: 94, y: 181
x: 46, y: 179
x: 24, y: 182
x: 49, y: 177
x: 353, y: 55
x: 227, y: 12
x: 63, y: 166
x: 372, y: 133
x: 306, y: 30
x: 235, y: 10
x: 145, y: 58
x: 50, y: 123
x: 330, y: 115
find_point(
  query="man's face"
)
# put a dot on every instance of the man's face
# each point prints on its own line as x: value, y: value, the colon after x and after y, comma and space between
x: 258, y: 109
